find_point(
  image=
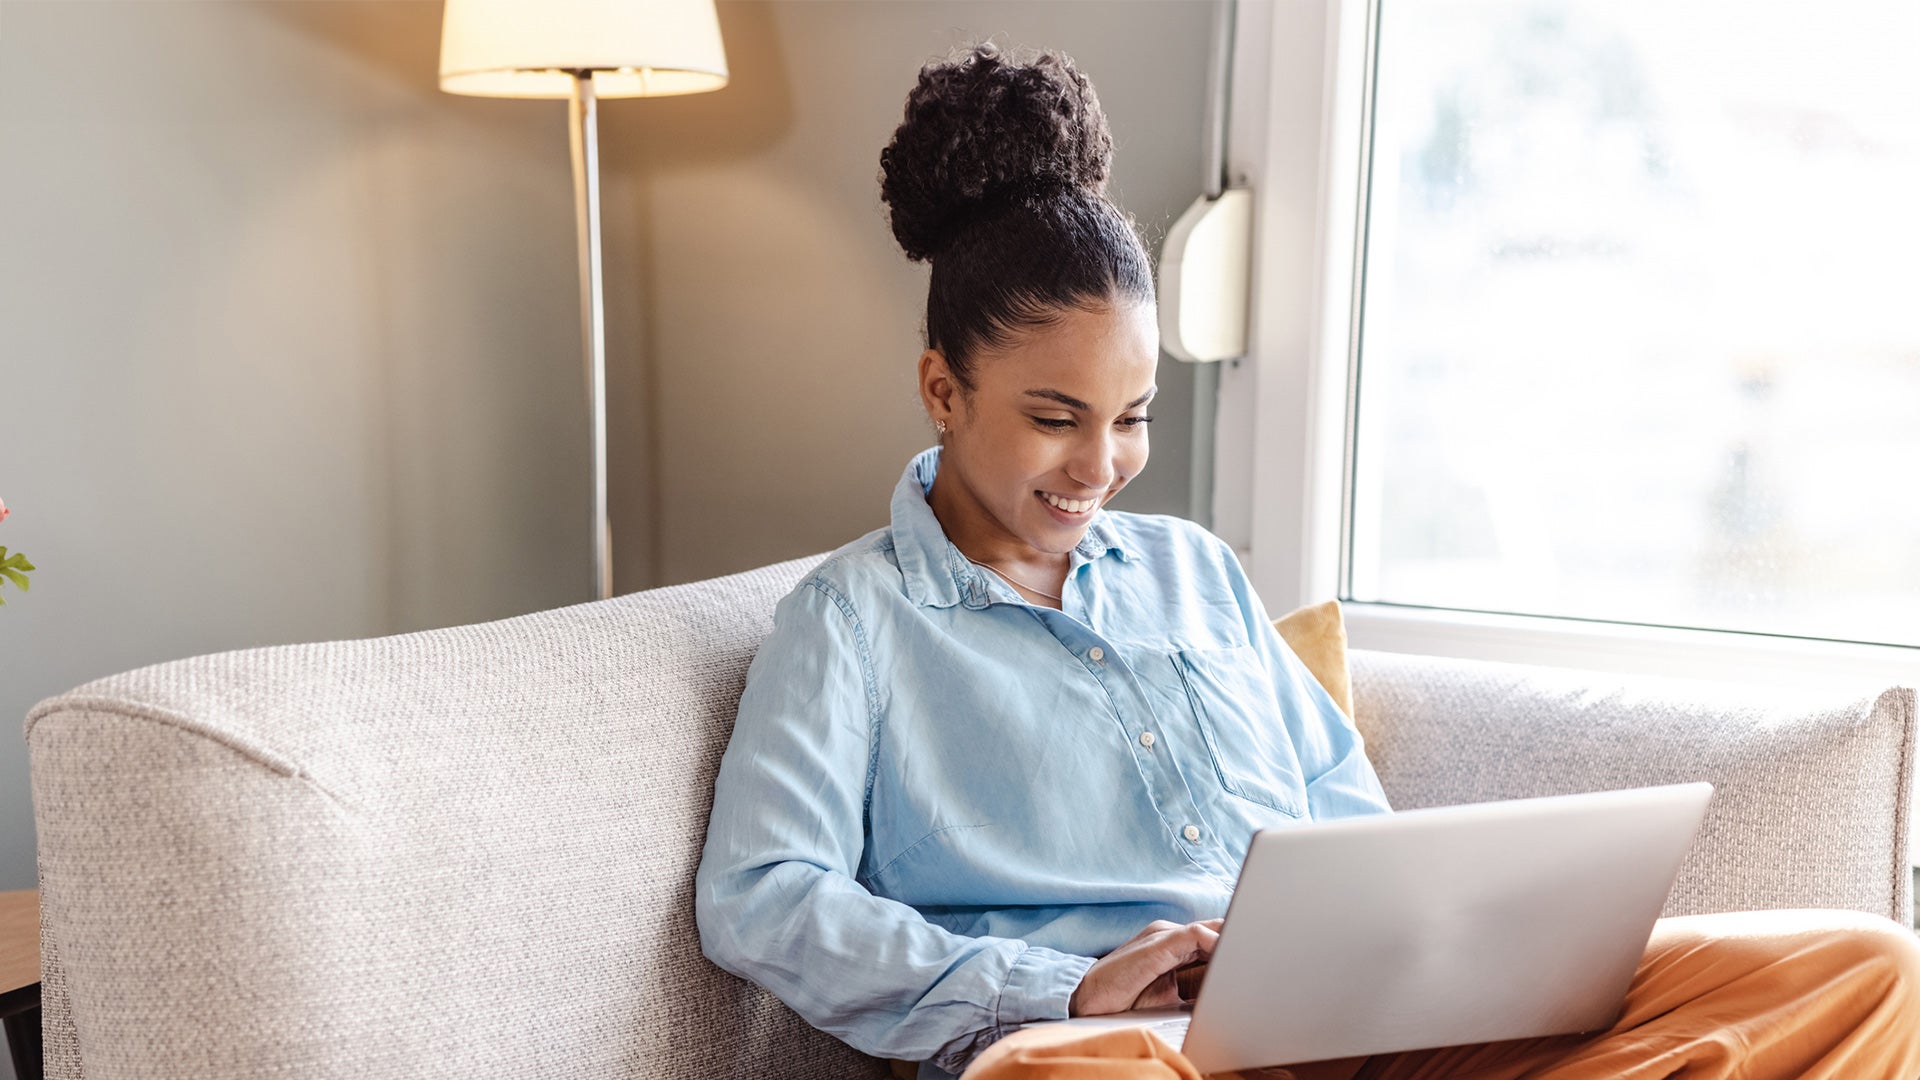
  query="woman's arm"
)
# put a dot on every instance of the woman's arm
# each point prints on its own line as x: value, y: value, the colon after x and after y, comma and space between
x: 776, y: 897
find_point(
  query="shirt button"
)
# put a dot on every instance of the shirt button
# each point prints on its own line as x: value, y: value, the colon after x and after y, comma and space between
x: 1146, y: 739
x: 1096, y: 654
x: 1190, y: 833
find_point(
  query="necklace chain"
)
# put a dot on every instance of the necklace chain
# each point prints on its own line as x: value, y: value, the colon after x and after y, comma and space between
x: 1013, y: 580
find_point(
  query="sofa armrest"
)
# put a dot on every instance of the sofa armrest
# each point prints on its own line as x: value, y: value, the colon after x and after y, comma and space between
x: 462, y: 851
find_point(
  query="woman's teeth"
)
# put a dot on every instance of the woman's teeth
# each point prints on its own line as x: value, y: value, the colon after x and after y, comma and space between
x: 1071, y: 506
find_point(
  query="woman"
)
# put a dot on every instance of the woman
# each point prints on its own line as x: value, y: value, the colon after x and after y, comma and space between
x: 998, y: 761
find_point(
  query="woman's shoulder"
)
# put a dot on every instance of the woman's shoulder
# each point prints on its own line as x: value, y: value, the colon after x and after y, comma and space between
x: 860, y: 571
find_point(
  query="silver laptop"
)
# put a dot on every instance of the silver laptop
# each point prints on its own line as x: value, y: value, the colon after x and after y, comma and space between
x: 1435, y: 927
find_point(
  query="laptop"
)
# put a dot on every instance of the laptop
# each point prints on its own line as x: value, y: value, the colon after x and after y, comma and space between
x: 1433, y: 927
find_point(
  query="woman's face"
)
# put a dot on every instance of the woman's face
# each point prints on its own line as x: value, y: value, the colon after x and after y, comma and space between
x: 1060, y: 412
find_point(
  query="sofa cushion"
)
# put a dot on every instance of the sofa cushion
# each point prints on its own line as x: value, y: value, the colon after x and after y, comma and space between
x: 1318, y: 637
x: 1812, y: 787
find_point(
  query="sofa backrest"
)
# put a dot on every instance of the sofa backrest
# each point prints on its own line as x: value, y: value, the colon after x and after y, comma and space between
x: 1812, y: 788
x: 467, y: 851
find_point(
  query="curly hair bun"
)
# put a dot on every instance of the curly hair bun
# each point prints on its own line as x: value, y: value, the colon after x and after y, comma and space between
x: 986, y: 127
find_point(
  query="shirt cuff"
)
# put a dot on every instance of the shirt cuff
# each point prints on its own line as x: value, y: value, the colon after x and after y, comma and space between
x: 1039, y: 986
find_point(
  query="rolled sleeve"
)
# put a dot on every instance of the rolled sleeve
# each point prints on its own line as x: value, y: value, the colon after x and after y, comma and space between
x: 1040, y: 986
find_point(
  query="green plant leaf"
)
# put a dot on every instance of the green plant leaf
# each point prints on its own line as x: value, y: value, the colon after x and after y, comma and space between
x: 12, y: 567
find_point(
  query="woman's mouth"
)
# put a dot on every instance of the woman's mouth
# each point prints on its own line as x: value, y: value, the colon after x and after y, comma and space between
x: 1068, y: 511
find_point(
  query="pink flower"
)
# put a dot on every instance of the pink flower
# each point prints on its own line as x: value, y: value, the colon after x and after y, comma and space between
x: 3, y: 510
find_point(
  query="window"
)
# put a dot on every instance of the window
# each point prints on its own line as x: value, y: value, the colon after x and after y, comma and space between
x: 1585, y: 333
x: 1640, y: 315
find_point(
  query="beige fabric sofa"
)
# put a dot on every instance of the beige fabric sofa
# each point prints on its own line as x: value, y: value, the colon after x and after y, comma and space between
x: 470, y: 851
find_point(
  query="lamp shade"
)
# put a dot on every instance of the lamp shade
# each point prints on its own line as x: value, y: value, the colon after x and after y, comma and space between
x: 528, y: 48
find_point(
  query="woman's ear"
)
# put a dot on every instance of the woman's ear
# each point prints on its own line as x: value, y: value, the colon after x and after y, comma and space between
x: 939, y: 391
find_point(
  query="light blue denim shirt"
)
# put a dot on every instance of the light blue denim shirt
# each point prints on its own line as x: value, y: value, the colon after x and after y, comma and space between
x: 941, y: 802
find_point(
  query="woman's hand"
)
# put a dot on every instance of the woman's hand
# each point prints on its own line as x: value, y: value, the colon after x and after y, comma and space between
x: 1140, y: 973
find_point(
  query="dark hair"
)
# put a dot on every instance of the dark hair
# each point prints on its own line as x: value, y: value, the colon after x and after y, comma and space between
x: 997, y: 176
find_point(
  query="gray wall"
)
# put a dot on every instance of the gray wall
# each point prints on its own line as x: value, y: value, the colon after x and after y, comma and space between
x: 778, y: 320
x: 289, y: 339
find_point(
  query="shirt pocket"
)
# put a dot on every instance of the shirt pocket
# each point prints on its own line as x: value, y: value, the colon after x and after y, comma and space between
x: 1239, y: 717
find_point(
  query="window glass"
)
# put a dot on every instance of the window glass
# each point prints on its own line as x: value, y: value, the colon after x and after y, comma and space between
x: 1640, y: 316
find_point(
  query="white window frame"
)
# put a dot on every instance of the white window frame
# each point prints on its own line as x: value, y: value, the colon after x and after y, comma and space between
x: 1299, y: 93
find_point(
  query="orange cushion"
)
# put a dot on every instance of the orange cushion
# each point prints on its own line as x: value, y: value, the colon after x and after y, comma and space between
x: 1319, y: 638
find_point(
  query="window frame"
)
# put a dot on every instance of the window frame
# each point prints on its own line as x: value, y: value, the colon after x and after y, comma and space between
x: 1301, y: 90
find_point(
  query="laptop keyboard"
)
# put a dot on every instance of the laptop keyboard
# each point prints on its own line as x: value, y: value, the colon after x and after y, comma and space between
x: 1174, y: 1030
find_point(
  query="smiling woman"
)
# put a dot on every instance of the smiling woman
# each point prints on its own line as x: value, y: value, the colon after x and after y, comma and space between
x: 1014, y: 731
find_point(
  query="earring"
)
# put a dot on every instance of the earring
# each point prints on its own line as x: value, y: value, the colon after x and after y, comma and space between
x: 940, y: 426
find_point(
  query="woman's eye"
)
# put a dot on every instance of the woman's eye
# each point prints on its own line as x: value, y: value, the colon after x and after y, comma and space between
x: 1058, y: 425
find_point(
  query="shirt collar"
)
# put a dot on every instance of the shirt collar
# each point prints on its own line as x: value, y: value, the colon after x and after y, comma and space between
x: 936, y: 573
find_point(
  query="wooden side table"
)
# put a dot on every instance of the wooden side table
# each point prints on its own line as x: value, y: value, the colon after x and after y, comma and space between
x: 20, y: 980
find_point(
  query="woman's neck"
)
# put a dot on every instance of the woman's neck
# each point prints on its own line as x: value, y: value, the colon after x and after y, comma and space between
x: 982, y: 540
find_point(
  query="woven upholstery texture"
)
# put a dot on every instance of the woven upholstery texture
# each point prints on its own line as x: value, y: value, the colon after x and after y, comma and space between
x: 462, y: 852
x: 59, y: 1049
x: 1812, y: 790
x: 470, y: 851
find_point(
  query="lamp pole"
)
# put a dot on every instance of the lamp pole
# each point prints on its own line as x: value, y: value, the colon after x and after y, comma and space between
x: 583, y: 113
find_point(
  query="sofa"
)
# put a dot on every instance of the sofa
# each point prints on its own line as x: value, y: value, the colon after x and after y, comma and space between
x: 470, y: 851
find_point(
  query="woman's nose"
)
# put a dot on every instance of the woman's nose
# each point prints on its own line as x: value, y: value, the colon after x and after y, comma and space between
x: 1093, y: 466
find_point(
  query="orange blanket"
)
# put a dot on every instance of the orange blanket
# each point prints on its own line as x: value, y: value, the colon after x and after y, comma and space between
x: 1822, y: 995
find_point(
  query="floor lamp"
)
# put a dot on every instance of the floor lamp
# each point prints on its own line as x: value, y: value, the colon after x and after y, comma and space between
x: 584, y: 50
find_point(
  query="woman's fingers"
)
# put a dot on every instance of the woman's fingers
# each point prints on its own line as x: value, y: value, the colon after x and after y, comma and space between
x: 1182, y: 947
x: 1209, y: 937
x: 1141, y: 974
x: 1187, y: 980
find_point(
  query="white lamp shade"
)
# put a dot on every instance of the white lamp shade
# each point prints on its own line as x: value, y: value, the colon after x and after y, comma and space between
x: 635, y: 48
